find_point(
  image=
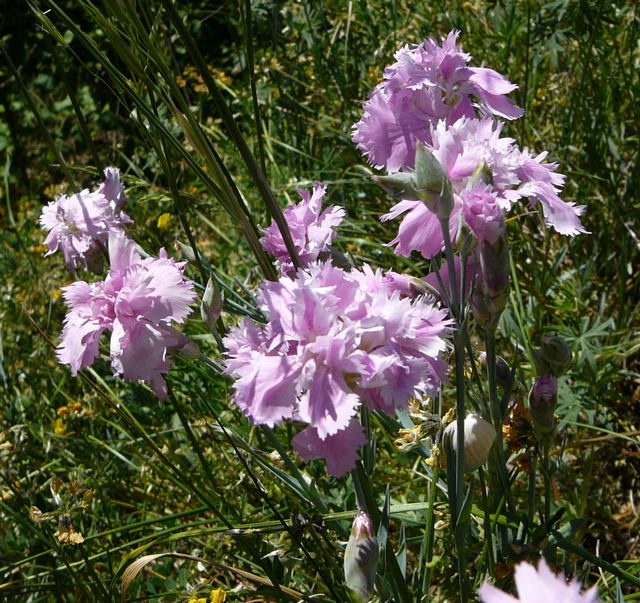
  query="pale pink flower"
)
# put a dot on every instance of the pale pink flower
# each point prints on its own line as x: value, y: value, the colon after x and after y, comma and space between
x: 463, y: 147
x: 539, y: 586
x: 340, y: 451
x: 333, y: 340
x: 79, y: 225
x: 427, y: 83
x: 138, y: 301
x: 312, y: 230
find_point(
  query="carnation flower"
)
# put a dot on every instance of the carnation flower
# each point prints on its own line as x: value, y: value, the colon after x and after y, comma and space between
x: 138, y: 301
x: 462, y: 148
x: 311, y: 231
x: 427, y: 83
x: 79, y: 225
x: 333, y: 340
x: 539, y: 586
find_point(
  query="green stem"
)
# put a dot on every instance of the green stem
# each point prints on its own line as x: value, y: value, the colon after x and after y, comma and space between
x: 459, y: 346
x: 487, y: 523
x: 547, y: 482
x: 532, y: 490
x: 430, y: 532
x: 497, y: 418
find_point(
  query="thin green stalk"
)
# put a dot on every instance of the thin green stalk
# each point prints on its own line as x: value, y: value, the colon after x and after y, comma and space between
x: 531, y: 499
x: 459, y: 347
x: 546, y: 474
x: 255, y: 172
x: 497, y: 418
x: 429, y: 527
x: 488, y: 543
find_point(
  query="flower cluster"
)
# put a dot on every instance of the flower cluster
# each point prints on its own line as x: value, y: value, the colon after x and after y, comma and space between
x: 137, y: 301
x: 79, y: 225
x: 425, y: 100
x: 427, y: 83
x: 335, y: 339
x: 311, y: 230
x: 539, y: 586
x: 465, y: 149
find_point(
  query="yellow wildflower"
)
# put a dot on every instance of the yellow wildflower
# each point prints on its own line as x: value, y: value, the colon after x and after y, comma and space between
x: 163, y: 221
x: 60, y: 428
x: 218, y: 596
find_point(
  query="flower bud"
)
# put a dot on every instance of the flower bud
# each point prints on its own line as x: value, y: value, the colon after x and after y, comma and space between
x: 543, y: 399
x: 478, y: 439
x: 401, y: 185
x: 361, y: 557
x: 553, y: 357
x: 503, y: 372
x: 432, y: 183
x: 211, y: 305
x: 492, y: 287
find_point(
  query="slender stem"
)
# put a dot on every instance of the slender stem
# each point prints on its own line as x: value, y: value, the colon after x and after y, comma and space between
x: 430, y: 532
x: 451, y: 269
x: 547, y: 482
x: 532, y: 489
x: 487, y: 523
x: 459, y: 345
x: 497, y: 418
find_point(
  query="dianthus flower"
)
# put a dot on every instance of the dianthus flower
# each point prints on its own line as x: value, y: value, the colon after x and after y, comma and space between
x: 333, y: 340
x: 80, y: 224
x: 539, y: 586
x: 462, y: 148
x: 137, y: 301
x: 311, y: 230
x: 427, y: 83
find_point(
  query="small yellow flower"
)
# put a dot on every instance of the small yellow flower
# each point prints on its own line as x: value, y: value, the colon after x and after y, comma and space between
x: 163, y: 221
x: 60, y: 428
x: 218, y: 596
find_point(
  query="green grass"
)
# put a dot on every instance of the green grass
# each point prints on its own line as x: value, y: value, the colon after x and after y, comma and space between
x: 109, y: 85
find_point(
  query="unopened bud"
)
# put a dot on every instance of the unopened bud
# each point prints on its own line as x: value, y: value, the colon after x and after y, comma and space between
x: 553, y: 357
x: 211, y: 305
x: 543, y: 399
x: 361, y: 557
x: 478, y: 439
x: 400, y: 185
x: 492, y: 287
x: 187, y: 252
x: 432, y: 183
x: 503, y: 372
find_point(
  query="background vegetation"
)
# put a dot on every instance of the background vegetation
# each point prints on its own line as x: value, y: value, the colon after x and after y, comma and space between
x: 132, y: 84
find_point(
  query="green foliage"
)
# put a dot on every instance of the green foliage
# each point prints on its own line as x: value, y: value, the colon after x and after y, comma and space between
x: 206, y: 111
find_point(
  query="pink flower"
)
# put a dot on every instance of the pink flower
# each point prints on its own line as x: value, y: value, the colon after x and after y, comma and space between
x: 79, y: 225
x: 311, y: 231
x: 138, y: 301
x: 333, y: 340
x: 539, y: 586
x: 427, y: 83
x: 463, y: 147
x: 340, y: 451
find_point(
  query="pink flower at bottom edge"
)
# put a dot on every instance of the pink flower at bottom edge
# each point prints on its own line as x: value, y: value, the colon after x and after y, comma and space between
x: 539, y: 586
